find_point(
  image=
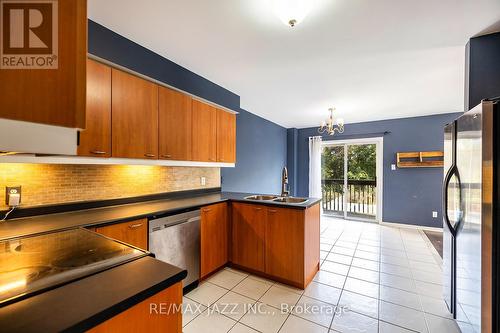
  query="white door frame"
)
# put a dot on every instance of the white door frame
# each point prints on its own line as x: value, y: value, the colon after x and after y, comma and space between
x: 379, y: 144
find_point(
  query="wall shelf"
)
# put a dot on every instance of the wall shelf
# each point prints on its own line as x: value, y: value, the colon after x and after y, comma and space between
x: 422, y: 159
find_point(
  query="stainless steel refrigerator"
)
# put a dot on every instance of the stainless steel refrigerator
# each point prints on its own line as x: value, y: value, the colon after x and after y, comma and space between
x: 470, y: 196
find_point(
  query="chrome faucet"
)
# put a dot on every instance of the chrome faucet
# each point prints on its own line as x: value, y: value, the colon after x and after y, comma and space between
x: 285, y: 191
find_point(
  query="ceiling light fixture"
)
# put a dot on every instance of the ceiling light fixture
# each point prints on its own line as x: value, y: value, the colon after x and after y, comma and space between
x: 291, y: 12
x: 329, y: 126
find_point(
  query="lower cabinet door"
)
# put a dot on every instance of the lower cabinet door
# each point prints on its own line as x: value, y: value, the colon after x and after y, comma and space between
x: 134, y: 232
x: 284, y: 250
x: 248, y: 236
x: 214, y: 238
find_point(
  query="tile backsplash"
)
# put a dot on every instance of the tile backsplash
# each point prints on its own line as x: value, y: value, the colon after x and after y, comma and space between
x: 44, y: 184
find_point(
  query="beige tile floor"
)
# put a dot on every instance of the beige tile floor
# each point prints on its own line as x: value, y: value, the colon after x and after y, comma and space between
x: 372, y: 279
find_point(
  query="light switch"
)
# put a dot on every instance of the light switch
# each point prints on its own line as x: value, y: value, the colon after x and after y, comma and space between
x: 393, y: 167
x: 203, y: 181
x: 434, y: 214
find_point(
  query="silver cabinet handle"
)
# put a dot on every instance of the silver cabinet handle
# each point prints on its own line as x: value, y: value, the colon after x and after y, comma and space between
x: 272, y: 210
x: 149, y: 155
x: 166, y: 156
x: 135, y: 226
x: 97, y: 152
x: 258, y: 208
x: 206, y: 210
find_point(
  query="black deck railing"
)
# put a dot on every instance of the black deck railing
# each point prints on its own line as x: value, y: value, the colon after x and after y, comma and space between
x: 361, y: 196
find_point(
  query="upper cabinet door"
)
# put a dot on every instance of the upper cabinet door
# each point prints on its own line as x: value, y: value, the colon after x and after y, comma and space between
x: 135, y: 116
x: 54, y: 92
x: 226, y: 137
x: 95, y: 140
x: 175, y: 119
x: 204, y: 132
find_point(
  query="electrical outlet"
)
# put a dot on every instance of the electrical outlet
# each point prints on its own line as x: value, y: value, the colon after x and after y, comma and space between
x: 13, y: 196
x: 393, y: 167
x: 434, y: 214
x: 203, y: 181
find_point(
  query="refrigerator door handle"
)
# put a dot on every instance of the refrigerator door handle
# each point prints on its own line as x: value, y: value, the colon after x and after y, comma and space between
x: 460, y: 222
x: 446, y: 183
x: 452, y: 172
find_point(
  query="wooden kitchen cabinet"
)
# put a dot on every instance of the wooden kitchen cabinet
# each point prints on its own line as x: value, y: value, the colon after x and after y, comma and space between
x: 292, y: 244
x: 175, y: 119
x: 54, y: 95
x: 214, y: 238
x: 285, y: 244
x: 277, y: 242
x: 129, y: 117
x: 95, y: 140
x: 248, y: 236
x: 134, y: 117
x: 226, y: 137
x: 204, y: 135
x: 311, y: 243
x: 166, y: 315
x: 133, y: 232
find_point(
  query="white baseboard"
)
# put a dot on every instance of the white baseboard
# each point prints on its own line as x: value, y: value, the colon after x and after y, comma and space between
x: 411, y: 226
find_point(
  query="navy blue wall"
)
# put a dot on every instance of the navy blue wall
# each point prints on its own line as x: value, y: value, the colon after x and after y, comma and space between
x: 261, y: 144
x: 263, y: 147
x: 409, y: 195
x: 117, y: 49
x: 261, y: 150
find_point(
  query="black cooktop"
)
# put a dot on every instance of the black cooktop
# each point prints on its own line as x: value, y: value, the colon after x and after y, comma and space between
x: 32, y: 264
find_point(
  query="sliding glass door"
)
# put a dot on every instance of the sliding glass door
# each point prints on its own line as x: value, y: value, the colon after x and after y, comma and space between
x: 332, y: 179
x: 361, y: 181
x: 349, y: 179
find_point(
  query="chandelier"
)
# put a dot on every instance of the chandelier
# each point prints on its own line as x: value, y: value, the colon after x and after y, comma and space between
x: 330, y: 125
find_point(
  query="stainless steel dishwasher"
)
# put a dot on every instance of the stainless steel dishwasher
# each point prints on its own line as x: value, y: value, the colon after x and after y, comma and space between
x: 176, y: 240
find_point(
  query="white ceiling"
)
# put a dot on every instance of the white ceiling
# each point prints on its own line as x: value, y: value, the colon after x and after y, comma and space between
x: 371, y: 59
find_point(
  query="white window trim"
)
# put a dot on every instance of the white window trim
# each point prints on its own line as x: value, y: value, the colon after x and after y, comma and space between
x: 379, y: 142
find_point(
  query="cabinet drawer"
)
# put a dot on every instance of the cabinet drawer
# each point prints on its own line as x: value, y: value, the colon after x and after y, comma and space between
x: 133, y: 232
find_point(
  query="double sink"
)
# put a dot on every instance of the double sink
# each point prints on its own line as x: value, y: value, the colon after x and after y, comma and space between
x: 275, y: 198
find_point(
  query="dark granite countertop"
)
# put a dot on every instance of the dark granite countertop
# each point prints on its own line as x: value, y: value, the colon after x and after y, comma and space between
x: 112, y: 214
x: 83, y: 304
